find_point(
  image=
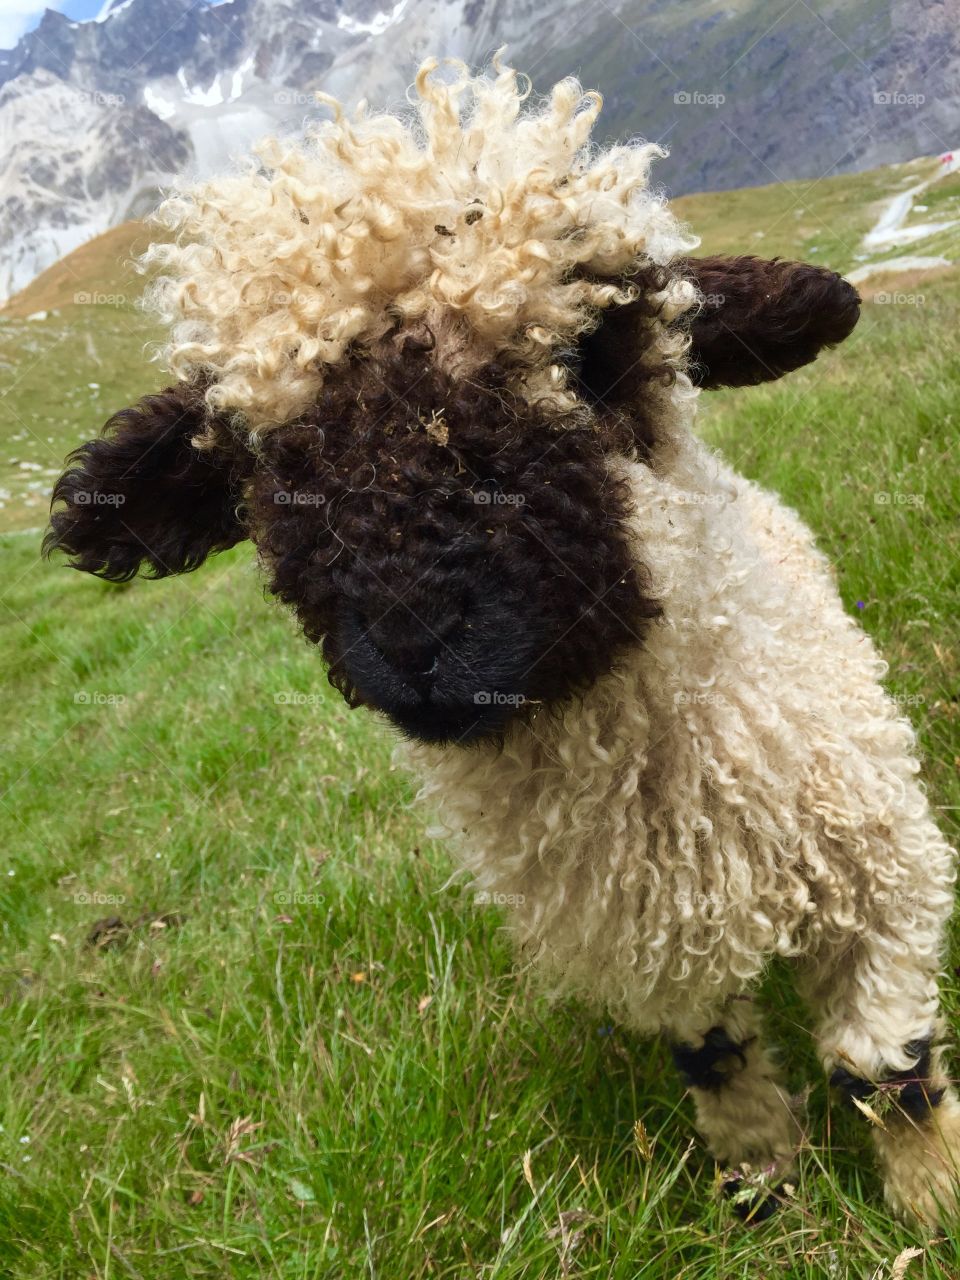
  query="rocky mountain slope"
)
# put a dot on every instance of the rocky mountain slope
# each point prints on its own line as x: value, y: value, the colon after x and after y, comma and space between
x: 94, y: 116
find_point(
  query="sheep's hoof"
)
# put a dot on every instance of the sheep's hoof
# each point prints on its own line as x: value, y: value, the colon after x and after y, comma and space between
x: 751, y: 1204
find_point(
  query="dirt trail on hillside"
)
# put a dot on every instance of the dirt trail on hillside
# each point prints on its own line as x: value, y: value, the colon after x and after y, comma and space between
x: 889, y: 231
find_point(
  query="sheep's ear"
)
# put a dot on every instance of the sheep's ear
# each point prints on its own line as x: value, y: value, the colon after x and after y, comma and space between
x: 144, y: 494
x: 760, y: 319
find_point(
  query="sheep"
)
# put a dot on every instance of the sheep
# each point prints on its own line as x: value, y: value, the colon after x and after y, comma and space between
x: 443, y: 369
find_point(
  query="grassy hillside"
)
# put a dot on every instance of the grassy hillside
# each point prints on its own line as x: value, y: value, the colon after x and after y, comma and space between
x: 247, y: 1031
x: 823, y: 221
x: 73, y: 349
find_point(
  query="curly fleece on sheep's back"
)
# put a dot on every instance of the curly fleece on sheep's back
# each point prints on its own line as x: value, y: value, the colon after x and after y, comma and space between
x: 321, y: 243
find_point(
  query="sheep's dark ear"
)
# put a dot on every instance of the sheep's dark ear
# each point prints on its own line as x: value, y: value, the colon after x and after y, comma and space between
x: 143, y: 494
x: 761, y: 318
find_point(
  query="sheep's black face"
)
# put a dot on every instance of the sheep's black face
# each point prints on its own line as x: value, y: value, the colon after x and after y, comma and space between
x: 460, y: 557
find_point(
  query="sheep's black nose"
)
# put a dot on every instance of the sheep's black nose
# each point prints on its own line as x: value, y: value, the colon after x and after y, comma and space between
x: 418, y: 667
x: 403, y: 645
x: 448, y: 676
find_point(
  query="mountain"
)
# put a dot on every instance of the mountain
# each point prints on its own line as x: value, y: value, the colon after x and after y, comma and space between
x: 96, y: 116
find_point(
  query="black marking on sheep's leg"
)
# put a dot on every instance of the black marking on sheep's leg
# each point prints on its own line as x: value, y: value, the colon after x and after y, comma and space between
x: 755, y: 1209
x: 712, y: 1065
x: 912, y: 1091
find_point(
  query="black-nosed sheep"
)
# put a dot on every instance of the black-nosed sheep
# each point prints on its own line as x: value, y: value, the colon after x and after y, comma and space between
x: 443, y: 371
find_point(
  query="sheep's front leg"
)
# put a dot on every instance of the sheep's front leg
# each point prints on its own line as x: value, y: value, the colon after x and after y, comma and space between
x: 879, y: 1038
x: 743, y: 1111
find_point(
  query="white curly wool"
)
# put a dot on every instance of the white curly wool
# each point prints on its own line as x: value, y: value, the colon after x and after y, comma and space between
x: 740, y: 786
x: 485, y: 222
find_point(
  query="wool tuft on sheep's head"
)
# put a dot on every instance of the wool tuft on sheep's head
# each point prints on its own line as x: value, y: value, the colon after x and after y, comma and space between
x: 413, y: 353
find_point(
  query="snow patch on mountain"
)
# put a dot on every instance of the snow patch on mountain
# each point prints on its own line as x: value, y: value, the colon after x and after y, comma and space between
x: 379, y: 23
x: 111, y: 8
x: 159, y: 105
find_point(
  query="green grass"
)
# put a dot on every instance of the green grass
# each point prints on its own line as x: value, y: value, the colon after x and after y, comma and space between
x: 302, y: 1055
x: 60, y: 378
